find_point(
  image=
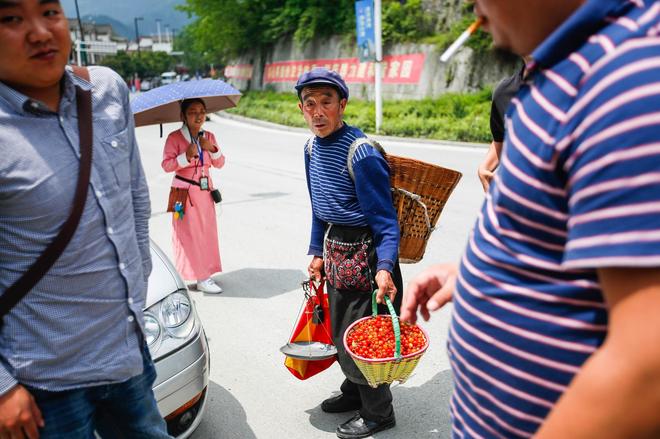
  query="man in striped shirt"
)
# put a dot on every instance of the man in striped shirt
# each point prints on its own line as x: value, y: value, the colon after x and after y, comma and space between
x: 354, y: 241
x: 555, y: 328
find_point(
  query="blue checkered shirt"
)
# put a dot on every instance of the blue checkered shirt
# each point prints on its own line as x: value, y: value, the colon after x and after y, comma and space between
x: 81, y: 324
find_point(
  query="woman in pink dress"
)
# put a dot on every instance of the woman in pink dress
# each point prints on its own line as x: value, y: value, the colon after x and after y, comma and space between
x: 189, y: 153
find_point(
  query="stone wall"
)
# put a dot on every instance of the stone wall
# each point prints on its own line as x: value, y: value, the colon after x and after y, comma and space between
x: 465, y: 72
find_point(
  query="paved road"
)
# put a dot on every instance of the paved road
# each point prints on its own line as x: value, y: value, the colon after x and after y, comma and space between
x: 264, y: 228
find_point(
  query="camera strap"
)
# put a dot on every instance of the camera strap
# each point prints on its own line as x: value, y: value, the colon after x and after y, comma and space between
x: 187, y: 180
x: 40, y: 267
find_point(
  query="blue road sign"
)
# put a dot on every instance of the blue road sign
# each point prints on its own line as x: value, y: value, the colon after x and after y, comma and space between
x: 366, y: 35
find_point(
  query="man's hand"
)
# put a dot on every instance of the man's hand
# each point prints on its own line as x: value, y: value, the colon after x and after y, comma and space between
x: 191, y: 152
x: 207, y: 145
x: 485, y: 176
x: 490, y: 163
x: 315, y: 268
x: 19, y: 415
x: 429, y: 291
x: 385, y: 286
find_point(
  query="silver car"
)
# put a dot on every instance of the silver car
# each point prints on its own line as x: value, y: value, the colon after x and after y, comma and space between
x: 178, y: 346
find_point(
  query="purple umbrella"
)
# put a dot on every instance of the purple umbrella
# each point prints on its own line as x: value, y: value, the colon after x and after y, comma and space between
x: 162, y: 104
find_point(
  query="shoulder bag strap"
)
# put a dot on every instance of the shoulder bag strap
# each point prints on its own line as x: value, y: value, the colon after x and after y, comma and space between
x: 309, y: 145
x: 355, y: 145
x: 40, y: 267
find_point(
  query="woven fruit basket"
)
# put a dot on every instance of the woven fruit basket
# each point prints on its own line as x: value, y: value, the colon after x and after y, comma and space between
x: 399, y: 365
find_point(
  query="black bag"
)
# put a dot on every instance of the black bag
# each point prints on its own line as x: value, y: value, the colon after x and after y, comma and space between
x: 217, y: 196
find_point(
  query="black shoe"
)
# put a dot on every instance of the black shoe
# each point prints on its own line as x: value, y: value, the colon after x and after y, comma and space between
x: 358, y: 427
x: 340, y: 403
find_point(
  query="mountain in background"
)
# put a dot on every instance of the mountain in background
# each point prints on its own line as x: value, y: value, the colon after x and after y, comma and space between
x: 121, y: 14
x: 118, y: 27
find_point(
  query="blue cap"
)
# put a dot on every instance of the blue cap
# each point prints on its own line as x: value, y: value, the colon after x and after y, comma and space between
x: 322, y: 76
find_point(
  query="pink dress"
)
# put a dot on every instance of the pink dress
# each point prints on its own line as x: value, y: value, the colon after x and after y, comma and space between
x: 195, y: 237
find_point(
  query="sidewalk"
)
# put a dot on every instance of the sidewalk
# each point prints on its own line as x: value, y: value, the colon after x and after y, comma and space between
x: 385, y: 139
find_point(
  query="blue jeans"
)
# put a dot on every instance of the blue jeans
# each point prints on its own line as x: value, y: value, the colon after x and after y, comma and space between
x: 121, y: 410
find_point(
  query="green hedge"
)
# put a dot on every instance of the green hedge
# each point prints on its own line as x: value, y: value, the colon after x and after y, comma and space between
x: 461, y: 117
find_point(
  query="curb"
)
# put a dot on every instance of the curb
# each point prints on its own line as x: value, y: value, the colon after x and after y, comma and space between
x: 275, y: 126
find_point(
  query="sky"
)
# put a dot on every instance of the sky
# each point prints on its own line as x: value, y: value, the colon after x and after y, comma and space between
x: 125, y: 11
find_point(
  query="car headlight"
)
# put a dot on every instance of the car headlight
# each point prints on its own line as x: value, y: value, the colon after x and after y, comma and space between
x: 169, y: 323
x: 175, y: 310
x: 151, y: 329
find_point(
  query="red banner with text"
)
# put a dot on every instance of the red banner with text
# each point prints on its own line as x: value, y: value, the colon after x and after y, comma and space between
x: 239, y: 71
x: 397, y: 69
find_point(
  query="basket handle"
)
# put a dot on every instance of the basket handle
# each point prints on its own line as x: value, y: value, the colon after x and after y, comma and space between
x: 395, y: 322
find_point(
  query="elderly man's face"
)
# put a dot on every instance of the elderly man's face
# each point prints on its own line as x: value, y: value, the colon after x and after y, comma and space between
x: 521, y: 25
x: 322, y: 109
x: 34, y: 44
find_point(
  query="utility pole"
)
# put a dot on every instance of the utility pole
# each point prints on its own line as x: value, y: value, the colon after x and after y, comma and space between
x: 81, y: 45
x: 158, y: 27
x: 137, y: 34
x: 378, y: 30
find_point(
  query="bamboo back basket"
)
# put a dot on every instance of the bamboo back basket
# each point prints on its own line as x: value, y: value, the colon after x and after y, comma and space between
x: 420, y: 191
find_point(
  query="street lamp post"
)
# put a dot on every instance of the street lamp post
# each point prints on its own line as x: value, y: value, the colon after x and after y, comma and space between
x: 137, y: 34
x: 158, y: 20
x: 378, y: 29
x: 81, y: 44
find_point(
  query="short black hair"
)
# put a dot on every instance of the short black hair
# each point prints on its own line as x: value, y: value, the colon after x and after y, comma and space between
x: 186, y: 103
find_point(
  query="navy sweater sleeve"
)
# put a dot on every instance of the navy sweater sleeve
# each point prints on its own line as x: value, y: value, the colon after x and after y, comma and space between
x: 372, y: 184
x: 318, y: 225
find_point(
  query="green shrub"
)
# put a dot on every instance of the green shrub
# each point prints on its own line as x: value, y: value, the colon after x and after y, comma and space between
x: 453, y: 116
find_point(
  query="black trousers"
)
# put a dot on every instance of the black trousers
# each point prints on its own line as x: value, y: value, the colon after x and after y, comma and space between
x: 350, y: 268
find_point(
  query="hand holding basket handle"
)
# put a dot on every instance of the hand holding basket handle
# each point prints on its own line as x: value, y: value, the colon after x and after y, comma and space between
x: 386, y: 287
x: 378, y: 363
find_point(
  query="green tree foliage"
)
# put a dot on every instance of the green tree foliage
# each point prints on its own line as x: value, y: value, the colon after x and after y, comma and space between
x: 406, y: 21
x: 225, y: 29
x: 121, y: 63
x: 193, y: 58
x: 146, y: 64
x: 480, y: 41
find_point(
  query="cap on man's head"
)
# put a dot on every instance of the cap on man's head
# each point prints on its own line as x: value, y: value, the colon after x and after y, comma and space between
x: 322, y: 76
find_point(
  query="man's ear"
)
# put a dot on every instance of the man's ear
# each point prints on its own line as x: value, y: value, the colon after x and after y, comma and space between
x: 342, y: 105
x: 300, y: 106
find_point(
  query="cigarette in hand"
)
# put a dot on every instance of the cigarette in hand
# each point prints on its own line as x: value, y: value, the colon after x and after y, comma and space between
x: 460, y: 40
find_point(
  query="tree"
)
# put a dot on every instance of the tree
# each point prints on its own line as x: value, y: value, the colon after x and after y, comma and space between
x: 146, y: 64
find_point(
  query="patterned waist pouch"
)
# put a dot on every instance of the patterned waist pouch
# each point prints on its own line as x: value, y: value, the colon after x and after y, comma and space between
x: 349, y: 258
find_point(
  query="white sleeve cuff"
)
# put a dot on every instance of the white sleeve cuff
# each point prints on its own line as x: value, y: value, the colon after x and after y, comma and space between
x: 182, y: 160
x: 217, y: 154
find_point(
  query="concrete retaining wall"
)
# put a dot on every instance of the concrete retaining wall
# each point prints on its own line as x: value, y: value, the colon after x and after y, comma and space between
x: 466, y: 71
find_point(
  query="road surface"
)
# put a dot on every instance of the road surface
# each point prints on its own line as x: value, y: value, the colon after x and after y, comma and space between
x: 264, y: 222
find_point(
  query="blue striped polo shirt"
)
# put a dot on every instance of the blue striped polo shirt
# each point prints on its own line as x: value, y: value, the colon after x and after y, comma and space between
x: 578, y: 189
x: 337, y: 199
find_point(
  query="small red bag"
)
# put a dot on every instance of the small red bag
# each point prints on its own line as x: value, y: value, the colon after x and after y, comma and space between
x: 310, y: 349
